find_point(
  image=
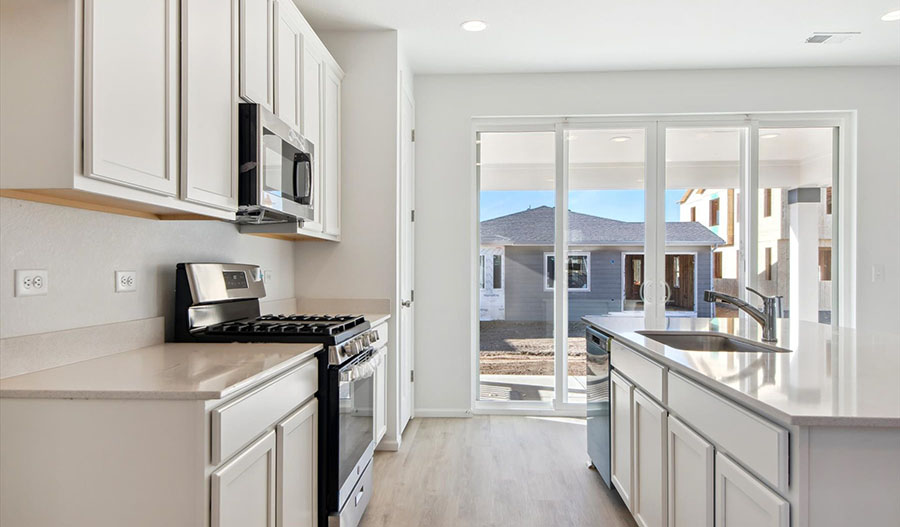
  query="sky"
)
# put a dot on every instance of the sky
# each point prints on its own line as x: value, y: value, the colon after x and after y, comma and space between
x: 623, y: 205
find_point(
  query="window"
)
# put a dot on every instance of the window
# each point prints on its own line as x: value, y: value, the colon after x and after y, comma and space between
x: 498, y: 272
x: 767, y: 203
x: 828, y: 201
x: 769, y: 263
x: 578, y: 270
x: 693, y: 213
x: 717, y: 265
x: 824, y: 263
x: 482, y: 271
x: 713, y: 212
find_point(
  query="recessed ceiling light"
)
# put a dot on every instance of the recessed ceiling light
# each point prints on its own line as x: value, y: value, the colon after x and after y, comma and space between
x: 772, y: 135
x: 893, y: 16
x: 474, y: 25
x: 620, y: 139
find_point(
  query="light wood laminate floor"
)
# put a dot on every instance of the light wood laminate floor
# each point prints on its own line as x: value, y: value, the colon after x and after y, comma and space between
x: 497, y: 471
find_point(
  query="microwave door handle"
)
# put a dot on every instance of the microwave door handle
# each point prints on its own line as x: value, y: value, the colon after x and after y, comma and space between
x: 298, y: 160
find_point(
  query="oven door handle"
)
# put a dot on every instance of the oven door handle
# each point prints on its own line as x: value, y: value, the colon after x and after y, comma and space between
x: 364, y: 369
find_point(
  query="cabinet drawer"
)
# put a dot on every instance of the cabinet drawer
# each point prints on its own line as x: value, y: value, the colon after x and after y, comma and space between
x: 642, y: 371
x: 236, y: 423
x: 755, y: 443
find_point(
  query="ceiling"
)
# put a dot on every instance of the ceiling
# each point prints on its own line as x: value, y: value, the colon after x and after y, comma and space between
x: 695, y: 158
x: 607, y: 35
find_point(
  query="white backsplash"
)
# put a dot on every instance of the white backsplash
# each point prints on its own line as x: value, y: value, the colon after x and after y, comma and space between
x: 82, y: 249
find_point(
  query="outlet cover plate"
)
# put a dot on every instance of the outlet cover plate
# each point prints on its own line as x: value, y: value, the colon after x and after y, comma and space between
x: 32, y: 282
x: 126, y: 281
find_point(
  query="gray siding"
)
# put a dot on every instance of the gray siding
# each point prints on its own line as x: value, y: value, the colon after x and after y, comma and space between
x: 704, y: 281
x: 526, y: 299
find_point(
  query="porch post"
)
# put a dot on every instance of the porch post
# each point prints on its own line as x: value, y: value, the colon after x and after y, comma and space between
x: 803, y: 301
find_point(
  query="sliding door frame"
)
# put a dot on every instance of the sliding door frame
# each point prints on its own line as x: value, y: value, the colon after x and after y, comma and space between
x: 655, y: 126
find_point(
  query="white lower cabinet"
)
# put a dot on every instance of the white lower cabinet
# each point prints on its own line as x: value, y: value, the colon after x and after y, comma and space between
x: 296, y: 467
x: 742, y: 501
x: 649, y: 452
x: 691, y: 477
x: 243, y: 490
x: 621, y: 397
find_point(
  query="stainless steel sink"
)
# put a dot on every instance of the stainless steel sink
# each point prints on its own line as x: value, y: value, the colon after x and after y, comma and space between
x: 709, y: 341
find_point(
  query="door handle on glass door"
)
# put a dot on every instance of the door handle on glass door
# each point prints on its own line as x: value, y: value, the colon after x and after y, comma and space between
x: 406, y: 303
x: 643, y: 286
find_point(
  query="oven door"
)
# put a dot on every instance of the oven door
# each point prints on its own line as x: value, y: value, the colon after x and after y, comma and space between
x: 355, y: 425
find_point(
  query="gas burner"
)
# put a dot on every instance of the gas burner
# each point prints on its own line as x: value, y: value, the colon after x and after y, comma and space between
x: 293, y: 325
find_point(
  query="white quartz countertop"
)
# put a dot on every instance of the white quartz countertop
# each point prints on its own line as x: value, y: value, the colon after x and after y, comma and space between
x: 830, y: 377
x: 166, y: 371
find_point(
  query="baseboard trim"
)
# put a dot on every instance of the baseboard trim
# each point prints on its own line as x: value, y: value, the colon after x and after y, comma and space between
x: 388, y: 445
x: 443, y: 412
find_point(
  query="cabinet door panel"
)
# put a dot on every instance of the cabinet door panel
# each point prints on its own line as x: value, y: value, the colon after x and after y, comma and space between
x: 243, y: 490
x: 288, y: 40
x: 298, y: 439
x: 312, y: 125
x: 131, y: 93
x: 690, y: 477
x: 649, y: 444
x: 331, y: 144
x: 209, y: 111
x: 256, y: 45
x: 742, y: 501
x: 621, y: 395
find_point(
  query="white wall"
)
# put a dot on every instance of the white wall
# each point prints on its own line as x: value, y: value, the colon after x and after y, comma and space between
x: 364, y: 264
x: 82, y: 249
x: 445, y: 188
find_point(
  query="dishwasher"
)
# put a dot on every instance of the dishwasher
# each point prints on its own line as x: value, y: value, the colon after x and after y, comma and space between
x: 598, y: 411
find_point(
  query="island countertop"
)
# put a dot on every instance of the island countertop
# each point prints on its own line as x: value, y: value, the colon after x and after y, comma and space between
x: 195, y: 371
x: 830, y: 378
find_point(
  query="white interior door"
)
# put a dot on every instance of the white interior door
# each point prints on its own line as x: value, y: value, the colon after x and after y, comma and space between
x: 407, y: 255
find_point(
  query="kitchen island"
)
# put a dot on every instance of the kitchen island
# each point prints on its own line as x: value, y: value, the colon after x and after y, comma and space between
x: 809, y: 436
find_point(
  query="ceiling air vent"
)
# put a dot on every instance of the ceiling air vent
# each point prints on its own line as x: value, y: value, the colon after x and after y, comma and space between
x: 831, y: 38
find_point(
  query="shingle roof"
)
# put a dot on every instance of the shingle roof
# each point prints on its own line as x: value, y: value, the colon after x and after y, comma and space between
x: 536, y: 227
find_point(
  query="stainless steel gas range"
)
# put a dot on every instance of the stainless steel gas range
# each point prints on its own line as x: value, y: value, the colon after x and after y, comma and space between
x: 216, y: 302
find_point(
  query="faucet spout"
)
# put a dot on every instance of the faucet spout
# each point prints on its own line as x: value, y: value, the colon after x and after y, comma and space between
x: 766, y: 317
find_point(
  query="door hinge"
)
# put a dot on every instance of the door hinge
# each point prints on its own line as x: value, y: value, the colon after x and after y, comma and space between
x: 412, y: 295
x: 412, y: 375
x: 412, y: 135
x: 412, y: 215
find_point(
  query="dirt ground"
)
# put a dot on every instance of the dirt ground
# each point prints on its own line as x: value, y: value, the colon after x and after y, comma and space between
x: 526, y: 348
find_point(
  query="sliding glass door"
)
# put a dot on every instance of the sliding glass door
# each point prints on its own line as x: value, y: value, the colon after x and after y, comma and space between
x: 605, y: 266
x: 637, y: 218
x: 517, y: 229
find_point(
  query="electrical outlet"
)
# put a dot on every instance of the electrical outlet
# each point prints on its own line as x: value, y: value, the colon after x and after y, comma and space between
x: 31, y: 282
x: 126, y: 281
x: 877, y: 272
x: 267, y: 276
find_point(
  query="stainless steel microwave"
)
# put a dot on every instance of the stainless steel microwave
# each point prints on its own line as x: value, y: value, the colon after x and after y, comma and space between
x: 276, y: 169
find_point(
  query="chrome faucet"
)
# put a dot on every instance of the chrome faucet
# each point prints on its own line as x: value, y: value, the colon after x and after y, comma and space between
x: 767, y: 317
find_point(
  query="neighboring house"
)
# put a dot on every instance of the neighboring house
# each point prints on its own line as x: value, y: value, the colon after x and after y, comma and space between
x: 717, y: 209
x: 606, y: 266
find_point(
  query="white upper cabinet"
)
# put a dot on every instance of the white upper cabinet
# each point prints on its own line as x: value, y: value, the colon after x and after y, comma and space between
x: 131, y: 93
x: 331, y: 152
x: 312, y: 124
x: 288, y: 49
x: 209, y: 107
x: 256, y: 46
